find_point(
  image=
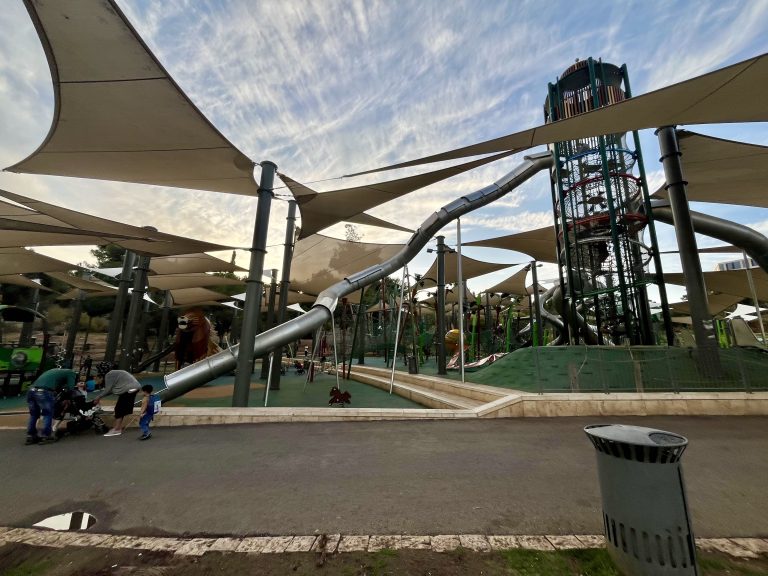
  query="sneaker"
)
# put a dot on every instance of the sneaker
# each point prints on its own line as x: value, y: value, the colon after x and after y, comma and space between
x: 114, y: 433
x: 32, y: 440
x: 145, y: 436
x: 47, y: 440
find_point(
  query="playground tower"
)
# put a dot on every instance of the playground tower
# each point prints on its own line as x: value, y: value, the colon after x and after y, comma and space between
x: 601, y: 208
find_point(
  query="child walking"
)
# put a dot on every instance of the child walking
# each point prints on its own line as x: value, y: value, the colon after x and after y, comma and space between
x: 150, y: 405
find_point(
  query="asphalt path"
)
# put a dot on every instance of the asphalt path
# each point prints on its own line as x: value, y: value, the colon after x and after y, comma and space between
x: 507, y: 476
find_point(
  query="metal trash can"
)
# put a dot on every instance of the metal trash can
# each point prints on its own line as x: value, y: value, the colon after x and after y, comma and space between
x: 413, y: 365
x: 645, y: 515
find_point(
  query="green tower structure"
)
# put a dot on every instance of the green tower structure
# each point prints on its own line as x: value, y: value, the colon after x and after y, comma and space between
x: 605, y: 232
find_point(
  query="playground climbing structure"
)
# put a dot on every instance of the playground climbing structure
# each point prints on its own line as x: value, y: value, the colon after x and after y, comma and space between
x: 600, y: 201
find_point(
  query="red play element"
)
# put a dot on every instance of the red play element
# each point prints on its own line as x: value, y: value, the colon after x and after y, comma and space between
x: 339, y: 398
x: 193, y: 338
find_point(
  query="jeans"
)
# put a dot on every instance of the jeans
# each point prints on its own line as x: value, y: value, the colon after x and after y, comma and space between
x: 40, y: 402
x: 144, y: 423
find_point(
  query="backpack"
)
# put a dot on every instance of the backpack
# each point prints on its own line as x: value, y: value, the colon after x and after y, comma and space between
x: 154, y: 405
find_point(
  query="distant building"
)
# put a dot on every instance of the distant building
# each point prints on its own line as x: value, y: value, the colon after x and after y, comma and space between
x: 735, y: 265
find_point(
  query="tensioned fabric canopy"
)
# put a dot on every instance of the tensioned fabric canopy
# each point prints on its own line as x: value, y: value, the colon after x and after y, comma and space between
x: 195, y: 296
x: 731, y: 94
x: 727, y: 249
x: 470, y: 268
x: 729, y: 282
x: 22, y: 227
x: 75, y: 293
x: 723, y: 171
x: 717, y: 303
x: 293, y: 298
x: 451, y: 297
x: 193, y: 280
x: 19, y: 280
x: 190, y: 263
x: 23, y: 261
x: 148, y: 243
x: 320, y: 261
x: 515, y: 284
x: 319, y: 210
x: 118, y: 114
x: 539, y: 244
x: 87, y: 284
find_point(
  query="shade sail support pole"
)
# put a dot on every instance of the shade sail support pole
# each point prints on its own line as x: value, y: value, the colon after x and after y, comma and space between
x: 703, y: 329
x: 116, y: 319
x: 254, y: 287
x: 440, y: 311
x: 285, y: 284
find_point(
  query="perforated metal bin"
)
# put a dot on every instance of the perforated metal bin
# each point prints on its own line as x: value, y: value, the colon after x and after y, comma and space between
x: 645, y: 514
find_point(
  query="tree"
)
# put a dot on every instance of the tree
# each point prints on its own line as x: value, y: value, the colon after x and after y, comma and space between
x: 108, y: 255
x: 351, y: 233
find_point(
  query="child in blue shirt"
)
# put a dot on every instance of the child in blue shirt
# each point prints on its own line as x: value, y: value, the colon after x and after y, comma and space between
x: 150, y: 405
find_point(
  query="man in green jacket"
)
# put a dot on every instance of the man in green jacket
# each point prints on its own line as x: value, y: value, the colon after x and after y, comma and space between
x: 40, y: 400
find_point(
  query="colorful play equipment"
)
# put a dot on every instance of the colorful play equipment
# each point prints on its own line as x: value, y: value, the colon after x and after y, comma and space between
x: 22, y: 364
x: 451, y: 339
x: 601, y: 207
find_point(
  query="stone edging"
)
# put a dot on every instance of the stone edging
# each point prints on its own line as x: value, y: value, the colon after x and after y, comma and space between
x: 338, y: 543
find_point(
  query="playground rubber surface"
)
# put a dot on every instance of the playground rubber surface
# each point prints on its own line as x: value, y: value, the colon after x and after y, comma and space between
x: 507, y: 476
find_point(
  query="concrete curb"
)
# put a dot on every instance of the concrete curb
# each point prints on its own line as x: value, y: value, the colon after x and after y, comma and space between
x: 341, y: 543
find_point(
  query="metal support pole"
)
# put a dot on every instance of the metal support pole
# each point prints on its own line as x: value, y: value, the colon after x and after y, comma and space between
x: 397, y: 330
x: 162, y: 332
x: 116, y: 319
x: 25, y: 338
x: 69, y: 348
x: 754, y: 295
x: 359, y: 319
x: 285, y: 284
x: 270, y: 320
x: 128, y: 344
x: 460, y: 280
x: 253, y: 287
x: 703, y: 330
x: 440, y: 336
x: 537, y: 311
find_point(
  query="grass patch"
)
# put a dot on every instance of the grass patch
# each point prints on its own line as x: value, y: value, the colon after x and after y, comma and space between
x: 29, y: 568
x: 538, y: 563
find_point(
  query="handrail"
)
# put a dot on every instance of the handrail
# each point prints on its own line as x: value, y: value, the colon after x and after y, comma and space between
x: 197, y: 374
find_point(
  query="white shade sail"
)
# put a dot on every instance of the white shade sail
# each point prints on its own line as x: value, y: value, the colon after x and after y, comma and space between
x: 731, y: 94
x: 23, y: 261
x: 19, y: 280
x: 539, y: 244
x: 470, y: 268
x: 320, y: 261
x: 135, y: 238
x: 88, y: 284
x: 729, y: 282
x: 189, y: 263
x: 717, y: 303
x: 195, y: 296
x: 195, y: 280
x: 319, y: 210
x: 118, y: 113
x: 723, y: 171
x: 515, y: 284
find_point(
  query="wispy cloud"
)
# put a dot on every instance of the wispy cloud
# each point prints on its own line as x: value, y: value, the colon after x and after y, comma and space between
x: 327, y: 88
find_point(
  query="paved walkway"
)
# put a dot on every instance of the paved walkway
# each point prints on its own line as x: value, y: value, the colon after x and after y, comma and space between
x: 491, y: 477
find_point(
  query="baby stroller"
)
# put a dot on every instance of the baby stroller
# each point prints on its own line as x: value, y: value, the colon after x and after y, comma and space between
x: 73, y: 414
x: 298, y: 366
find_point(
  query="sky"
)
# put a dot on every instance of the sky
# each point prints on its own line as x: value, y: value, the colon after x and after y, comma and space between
x: 325, y: 88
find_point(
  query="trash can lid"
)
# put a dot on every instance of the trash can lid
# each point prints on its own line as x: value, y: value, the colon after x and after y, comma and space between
x: 635, y: 435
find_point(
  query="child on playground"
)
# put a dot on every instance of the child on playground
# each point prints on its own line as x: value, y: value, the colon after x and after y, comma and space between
x: 150, y: 405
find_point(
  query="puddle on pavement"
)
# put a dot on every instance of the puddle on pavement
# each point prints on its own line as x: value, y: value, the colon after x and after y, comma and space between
x: 68, y: 521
